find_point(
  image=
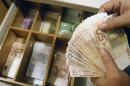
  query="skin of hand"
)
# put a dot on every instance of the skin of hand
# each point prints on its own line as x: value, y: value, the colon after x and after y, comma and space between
x: 122, y: 8
x: 113, y: 76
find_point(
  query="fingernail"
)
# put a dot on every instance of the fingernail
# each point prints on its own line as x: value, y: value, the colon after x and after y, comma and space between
x: 103, y: 26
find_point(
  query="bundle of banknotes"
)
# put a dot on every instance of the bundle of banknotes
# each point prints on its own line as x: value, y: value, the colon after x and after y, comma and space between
x: 39, y: 59
x: 82, y: 54
x: 14, y: 58
x: 59, y: 75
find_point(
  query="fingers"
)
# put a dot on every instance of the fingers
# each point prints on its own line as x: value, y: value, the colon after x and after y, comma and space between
x: 106, y: 7
x: 109, y: 65
x: 108, y: 62
x: 115, y: 22
x: 110, y: 6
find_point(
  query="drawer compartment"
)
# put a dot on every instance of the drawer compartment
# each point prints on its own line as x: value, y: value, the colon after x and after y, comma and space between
x: 48, y: 19
x: 11, y: 52
x: 24, y: 20
x: 38, y: 52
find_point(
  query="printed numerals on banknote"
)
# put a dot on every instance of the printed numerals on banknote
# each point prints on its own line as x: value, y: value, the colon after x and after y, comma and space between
x: 82, y: 54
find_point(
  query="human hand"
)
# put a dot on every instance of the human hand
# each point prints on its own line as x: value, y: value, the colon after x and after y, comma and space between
x: 122, y: 8
x: 113, y: 76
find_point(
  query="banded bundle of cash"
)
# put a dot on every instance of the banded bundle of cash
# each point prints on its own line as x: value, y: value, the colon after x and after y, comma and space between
x: 82, y: 53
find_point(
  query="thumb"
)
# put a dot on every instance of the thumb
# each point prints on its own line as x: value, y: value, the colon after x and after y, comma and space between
x: 115, y: 22
x: 108, y: 62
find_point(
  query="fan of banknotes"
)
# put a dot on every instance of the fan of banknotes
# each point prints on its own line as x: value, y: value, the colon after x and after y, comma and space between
x: 82, y: 54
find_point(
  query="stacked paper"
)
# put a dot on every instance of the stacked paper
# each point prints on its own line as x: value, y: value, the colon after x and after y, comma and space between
x: 82, y: 53
x: 49, y: 22
x: 14, y: 58
x: 39, y: 60
x: 59, y: 75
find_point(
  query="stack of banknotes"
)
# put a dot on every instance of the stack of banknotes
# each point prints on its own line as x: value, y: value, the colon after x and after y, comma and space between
x: 82, y: 54
x: 59, y: 75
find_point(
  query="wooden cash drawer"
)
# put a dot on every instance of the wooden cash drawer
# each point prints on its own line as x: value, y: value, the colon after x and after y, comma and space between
x: 30, y: 36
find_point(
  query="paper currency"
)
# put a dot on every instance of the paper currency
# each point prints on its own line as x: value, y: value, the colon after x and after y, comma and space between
x: 39, y: 60
x: 27, y: 22
x: 66, y: 29
x: 49, y: 22
x: 13, y: 62
x: 71, y: 19
x: 82, y: 53
x: 48, y: 25
x: 60, y: 72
